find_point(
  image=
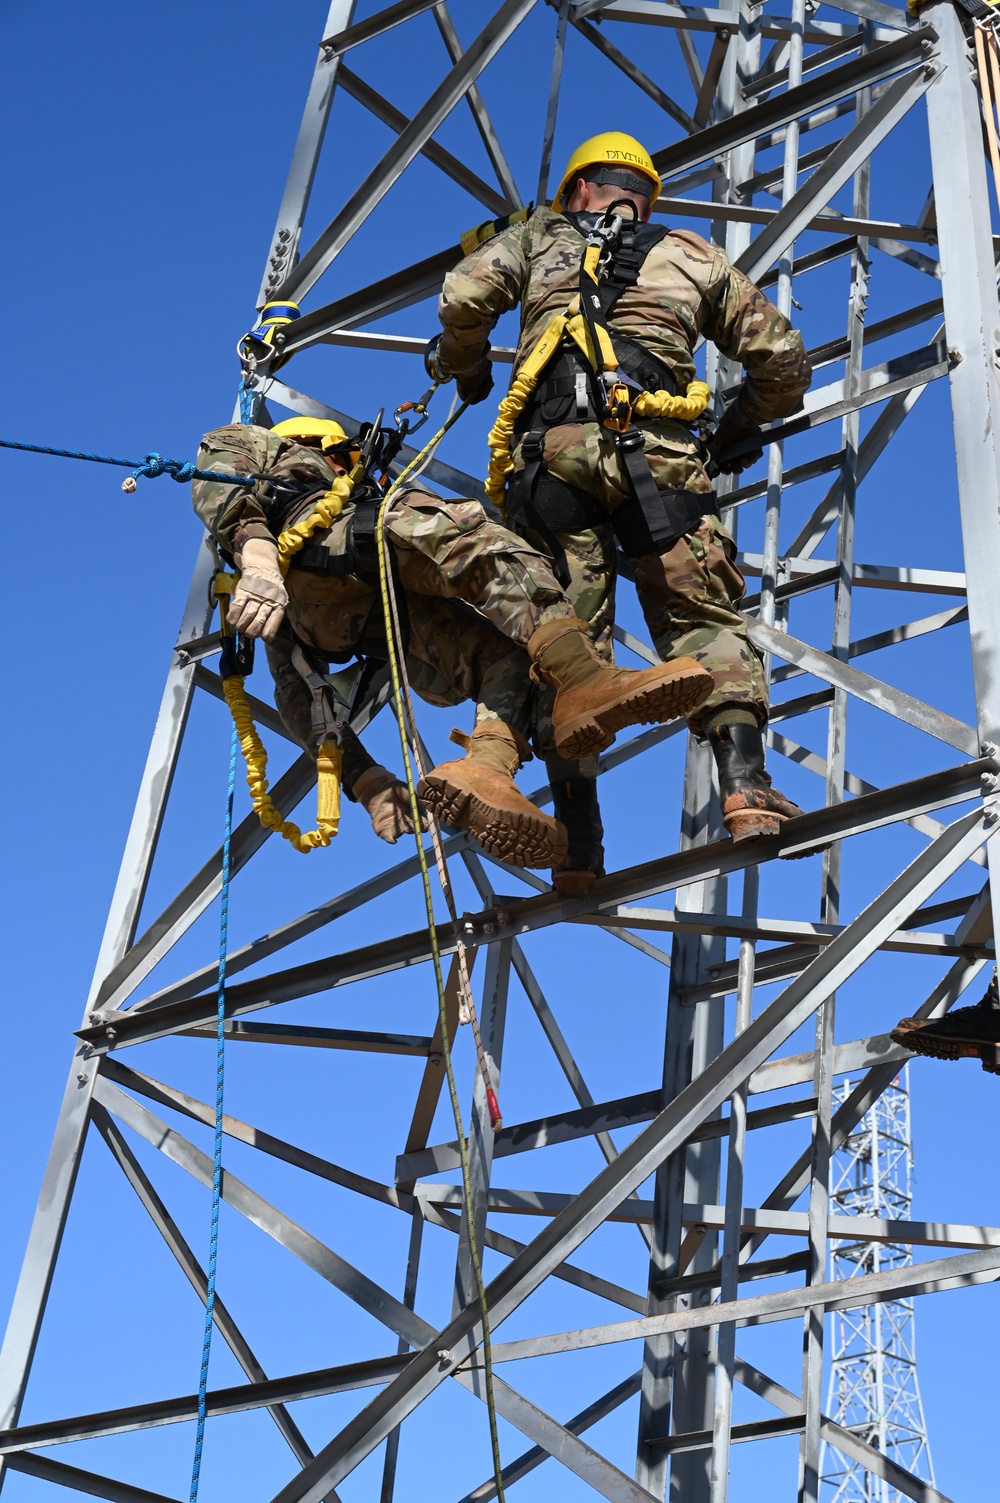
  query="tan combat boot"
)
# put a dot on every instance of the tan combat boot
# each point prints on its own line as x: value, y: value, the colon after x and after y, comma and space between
x: 479, y: 794
x: 595, y: 699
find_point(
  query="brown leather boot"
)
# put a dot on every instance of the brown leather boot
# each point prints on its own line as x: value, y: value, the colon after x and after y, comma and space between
x: 595, y: 699
x: 750, y: 806
x: 964, y: 1033
x: 479, y: 794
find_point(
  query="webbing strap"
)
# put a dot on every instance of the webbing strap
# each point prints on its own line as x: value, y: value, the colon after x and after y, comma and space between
x: 533, y: 455
x: 664, y: 515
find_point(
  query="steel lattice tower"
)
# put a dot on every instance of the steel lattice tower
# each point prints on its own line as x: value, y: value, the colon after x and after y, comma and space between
x: 778, y: 130
x: 874, y: 1391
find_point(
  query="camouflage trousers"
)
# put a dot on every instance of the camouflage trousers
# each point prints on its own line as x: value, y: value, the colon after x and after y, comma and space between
x: 441, y: 550
x: 452, y: 655
x: 688, y: 593
x: 451, y: 550
x: 473, y: 593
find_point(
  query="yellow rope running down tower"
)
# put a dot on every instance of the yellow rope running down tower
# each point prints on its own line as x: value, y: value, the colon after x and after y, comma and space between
x: 397, y: 669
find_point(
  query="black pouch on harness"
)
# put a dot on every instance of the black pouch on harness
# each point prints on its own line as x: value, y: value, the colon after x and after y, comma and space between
x: 539, y: 502
x: 650, y: 520
x: 559, y: 506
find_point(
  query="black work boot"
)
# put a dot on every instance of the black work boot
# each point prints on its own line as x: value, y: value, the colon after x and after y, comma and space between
x: 575, y: 805
x: 750, y: 806
x: 964, y: 1033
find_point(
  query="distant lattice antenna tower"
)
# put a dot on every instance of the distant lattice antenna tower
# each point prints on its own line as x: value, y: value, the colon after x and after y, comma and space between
x: 874, y: 1390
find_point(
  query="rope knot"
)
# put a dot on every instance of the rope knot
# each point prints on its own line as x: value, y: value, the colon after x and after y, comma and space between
x: 152, y: 466
x: 155, y: 465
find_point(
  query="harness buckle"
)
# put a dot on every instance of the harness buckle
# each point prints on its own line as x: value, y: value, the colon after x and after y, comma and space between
x: 619, y: 414
x: 325, y: 720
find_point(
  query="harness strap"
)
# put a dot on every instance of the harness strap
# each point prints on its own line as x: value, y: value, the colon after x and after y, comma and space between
x: 533, y: 455
x: 363, y: 548
x: 654, y: 519
x: 584, y: 323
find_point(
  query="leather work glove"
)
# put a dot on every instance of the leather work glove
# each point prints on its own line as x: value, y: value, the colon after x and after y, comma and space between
x: 476, y: 384
x: 729, y: 432
x: 260, y: 599
x: 387, y: 802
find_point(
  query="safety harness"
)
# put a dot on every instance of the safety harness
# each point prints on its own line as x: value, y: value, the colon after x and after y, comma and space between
x: 576, y: 372
x: 328, y: 710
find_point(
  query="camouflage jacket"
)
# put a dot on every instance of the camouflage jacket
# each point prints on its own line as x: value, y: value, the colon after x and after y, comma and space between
x: 686, y: 289
x: 233, y: 513
x: 328, y: 607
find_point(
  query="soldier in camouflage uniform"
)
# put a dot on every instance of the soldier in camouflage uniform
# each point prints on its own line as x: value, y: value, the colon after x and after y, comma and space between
x: 481, y: 608
x: 685, y: 571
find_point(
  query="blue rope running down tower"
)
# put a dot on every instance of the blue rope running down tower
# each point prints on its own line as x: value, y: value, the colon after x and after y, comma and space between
x: 220, y: 1077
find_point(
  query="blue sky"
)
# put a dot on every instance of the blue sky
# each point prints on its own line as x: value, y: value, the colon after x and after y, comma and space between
x: 146, y: 151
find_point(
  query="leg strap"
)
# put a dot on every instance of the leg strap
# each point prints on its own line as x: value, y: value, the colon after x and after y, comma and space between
x: 522, y: 511
x: 651, y: 519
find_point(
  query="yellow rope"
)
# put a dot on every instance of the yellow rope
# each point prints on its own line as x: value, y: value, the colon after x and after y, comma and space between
x: 323, y: 514
x: 513, y: 404
x: 663, y: 404
x: 329, y: 762
x: 397, y: 670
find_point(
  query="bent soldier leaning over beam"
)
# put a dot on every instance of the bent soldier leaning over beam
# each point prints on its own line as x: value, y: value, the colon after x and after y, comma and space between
x: 605, y: 444
x: 483, y: 610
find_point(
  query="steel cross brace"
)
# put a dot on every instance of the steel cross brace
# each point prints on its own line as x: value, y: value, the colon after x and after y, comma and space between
x: 801, y: 835
x: 664, y: 1136
x: 377, y: 1302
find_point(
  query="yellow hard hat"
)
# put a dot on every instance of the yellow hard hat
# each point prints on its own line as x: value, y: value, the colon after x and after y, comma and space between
x: 612, y: 149
x: 331, y: 433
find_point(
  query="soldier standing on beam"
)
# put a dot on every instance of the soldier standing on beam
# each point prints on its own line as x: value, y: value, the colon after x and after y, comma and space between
x: 602, y: 449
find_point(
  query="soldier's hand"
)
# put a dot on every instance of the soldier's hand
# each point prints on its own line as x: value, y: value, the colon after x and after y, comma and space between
x: 476, y: 384
x: 260, y: 600
x: 729, y: 433
x: 387, y: 802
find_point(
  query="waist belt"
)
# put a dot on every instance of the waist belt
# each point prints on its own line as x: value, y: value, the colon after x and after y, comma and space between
x: 360, y: 561
x: 568, y: 391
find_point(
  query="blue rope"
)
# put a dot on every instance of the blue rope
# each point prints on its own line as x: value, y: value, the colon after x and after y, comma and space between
x: 246, y: 402
x: 220, y: 1074
x: 152, y: 466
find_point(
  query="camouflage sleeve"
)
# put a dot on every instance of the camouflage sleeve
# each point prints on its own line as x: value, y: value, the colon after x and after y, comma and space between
x: 294, y: 704
x: 748, y: 327
x: 232, y: 513
x: 356, y: 761
x: 486, y: 284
